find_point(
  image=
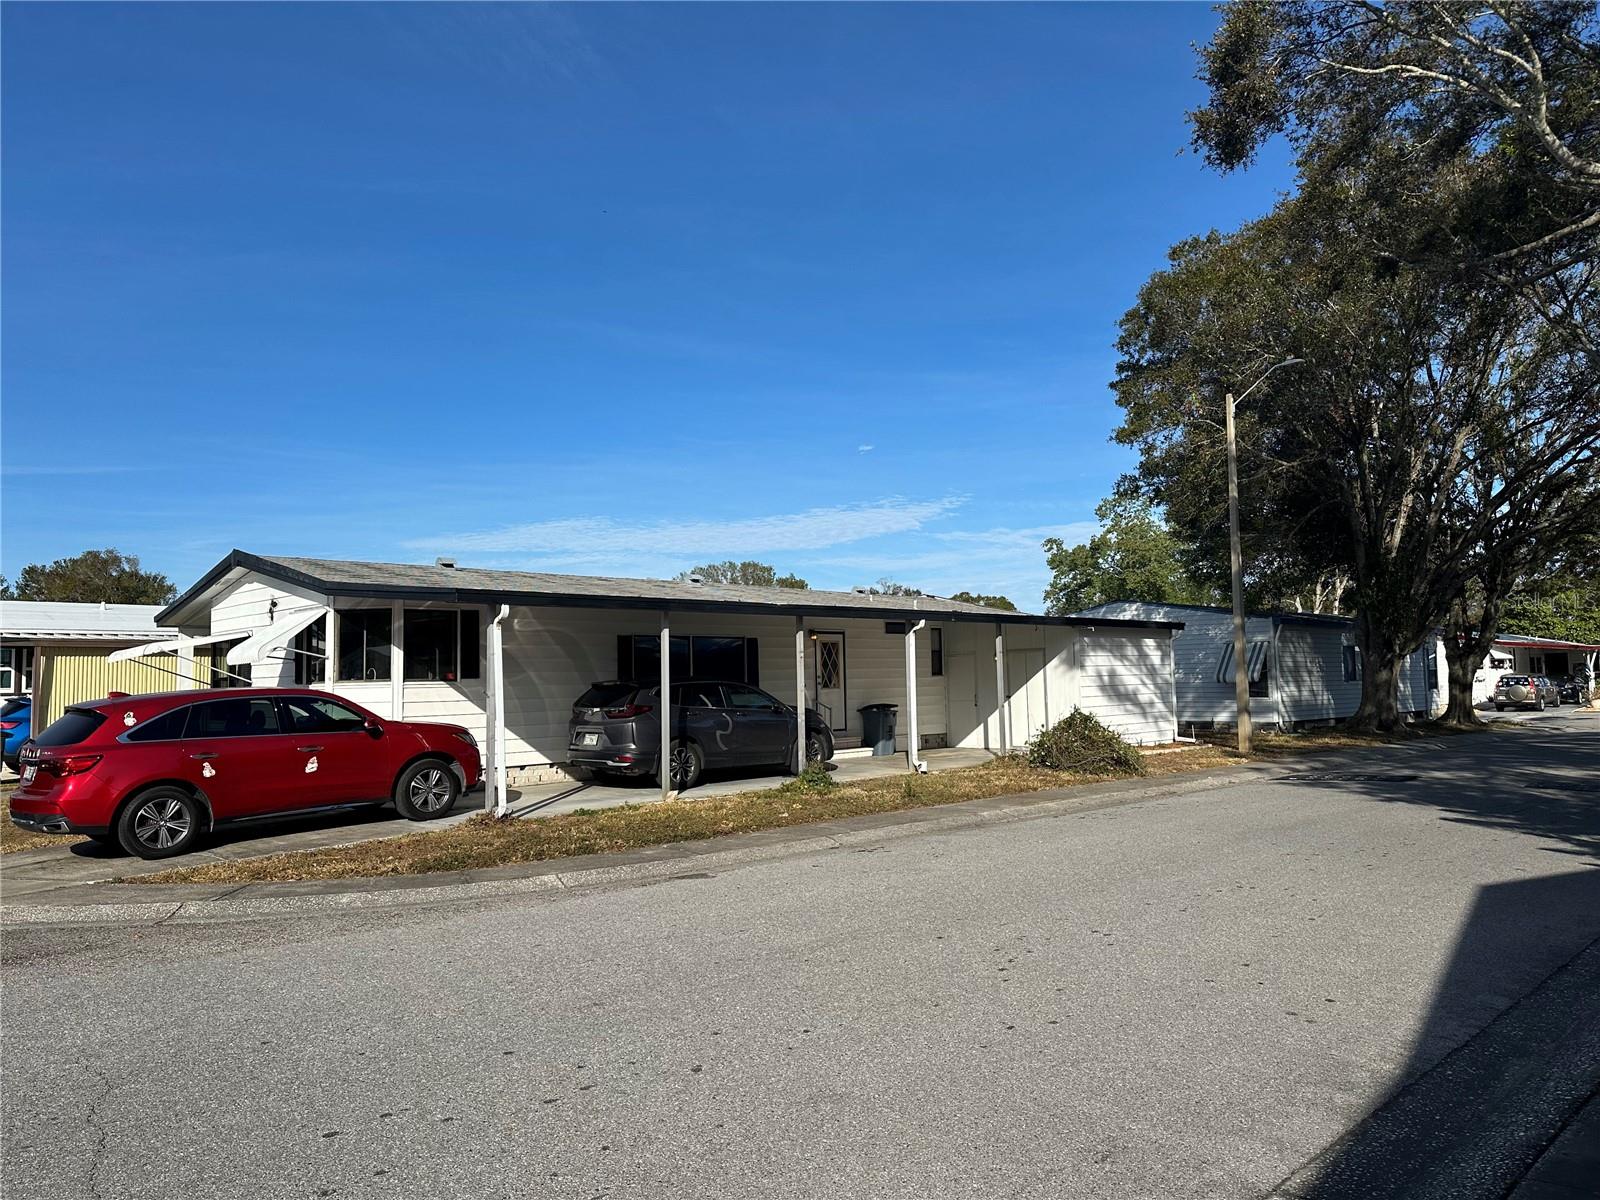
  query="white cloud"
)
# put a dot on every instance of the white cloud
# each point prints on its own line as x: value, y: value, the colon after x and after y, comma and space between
x: 606, y: 538
x: 865, y: 449
x: 1006, y: 561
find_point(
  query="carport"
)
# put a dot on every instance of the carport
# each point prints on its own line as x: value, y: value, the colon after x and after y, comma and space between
x: 506, y: 653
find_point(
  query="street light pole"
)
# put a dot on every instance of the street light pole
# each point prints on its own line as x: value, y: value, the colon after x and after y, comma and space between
x: 1241, y: 664
x: 1241, y: 658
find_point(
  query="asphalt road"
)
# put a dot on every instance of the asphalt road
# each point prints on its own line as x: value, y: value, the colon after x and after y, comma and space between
x: 1187, y: 996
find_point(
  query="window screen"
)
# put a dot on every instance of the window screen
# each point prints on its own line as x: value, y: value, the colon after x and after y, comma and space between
x: 441, y: 644
x: 693, y: 658
x: 366, y: 638
x: 309, y: 650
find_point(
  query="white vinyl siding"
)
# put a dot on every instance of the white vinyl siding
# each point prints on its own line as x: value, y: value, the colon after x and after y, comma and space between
x: 248, y: 606
x: 1125, y: 680
x: 1312, y: 674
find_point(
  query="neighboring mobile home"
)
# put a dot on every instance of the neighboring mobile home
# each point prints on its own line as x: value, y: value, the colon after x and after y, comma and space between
x: 1304, y: 668
x: 445, y: 643
x: 59, y: 653
x: 1519, y: 654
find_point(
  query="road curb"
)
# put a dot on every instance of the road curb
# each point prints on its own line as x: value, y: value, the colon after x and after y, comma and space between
x: 124, y: 904
x: 134, y: 904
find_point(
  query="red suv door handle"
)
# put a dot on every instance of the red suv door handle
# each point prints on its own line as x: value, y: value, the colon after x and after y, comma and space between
x: 308, y: 749
x: 202, y: 756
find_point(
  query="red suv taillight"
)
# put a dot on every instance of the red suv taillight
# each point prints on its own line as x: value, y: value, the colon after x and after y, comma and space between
x: 72, y: 764
x: 9, y: 724
x: 629, y: 710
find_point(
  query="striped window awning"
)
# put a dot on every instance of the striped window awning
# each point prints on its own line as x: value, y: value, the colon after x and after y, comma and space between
x: 1257, y: 651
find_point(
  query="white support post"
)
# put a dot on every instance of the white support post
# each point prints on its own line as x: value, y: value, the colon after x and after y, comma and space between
x: 330, y: 676
x: 799, y: 695
x: 494, y: 733
x: 1000, y: 686
x: 186, y: 670
x: 666, y: 708
x: 913, y: 737
x: 397, y: 661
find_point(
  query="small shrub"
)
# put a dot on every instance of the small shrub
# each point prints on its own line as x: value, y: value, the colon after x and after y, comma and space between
x: 814, y: 778
x: 1081, y: 744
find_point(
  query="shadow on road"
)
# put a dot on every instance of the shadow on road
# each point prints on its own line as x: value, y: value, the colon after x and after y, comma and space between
x: 1491, y: 1078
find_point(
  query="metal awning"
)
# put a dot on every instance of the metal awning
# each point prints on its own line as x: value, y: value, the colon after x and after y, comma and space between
x: 1257, y: 658
x: 169, y: 646
x: 277, y: 636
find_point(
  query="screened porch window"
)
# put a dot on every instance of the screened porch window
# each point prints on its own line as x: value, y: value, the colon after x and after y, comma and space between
x: 441, y: 644
x: 310, y: 654
x: 366, y: 639
x: 733, y: 659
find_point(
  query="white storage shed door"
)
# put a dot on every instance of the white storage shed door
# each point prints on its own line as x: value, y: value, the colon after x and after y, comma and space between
x: 1126, y: 681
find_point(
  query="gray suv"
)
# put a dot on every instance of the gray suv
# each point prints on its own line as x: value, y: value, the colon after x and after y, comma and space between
x: 616, y: 729
x: 1525, y: 691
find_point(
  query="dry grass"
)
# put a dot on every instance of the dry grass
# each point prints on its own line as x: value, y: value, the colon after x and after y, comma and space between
x: 13, y: 839
x: 484, y: 842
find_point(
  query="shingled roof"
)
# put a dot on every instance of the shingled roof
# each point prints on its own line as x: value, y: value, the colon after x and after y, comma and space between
x: 474, y: 585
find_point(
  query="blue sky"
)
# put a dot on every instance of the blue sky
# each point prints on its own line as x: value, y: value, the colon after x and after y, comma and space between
x: 609, y: 289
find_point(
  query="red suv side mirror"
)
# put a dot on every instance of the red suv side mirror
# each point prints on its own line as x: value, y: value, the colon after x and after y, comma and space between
x: 374, y: 730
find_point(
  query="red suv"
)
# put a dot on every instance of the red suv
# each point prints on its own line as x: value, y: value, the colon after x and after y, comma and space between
x: 155, y: 772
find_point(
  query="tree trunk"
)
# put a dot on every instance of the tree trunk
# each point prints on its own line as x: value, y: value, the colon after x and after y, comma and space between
x: 1380, y: 696
x: 1463, y: 659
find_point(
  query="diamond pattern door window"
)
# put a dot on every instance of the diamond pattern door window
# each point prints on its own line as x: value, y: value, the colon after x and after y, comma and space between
x: 827, y: 664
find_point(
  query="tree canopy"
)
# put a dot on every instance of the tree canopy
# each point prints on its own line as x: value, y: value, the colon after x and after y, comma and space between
x: 743, y: 574
x: 999, y: 602
x: 1133, y: 557
x: 93, y: 577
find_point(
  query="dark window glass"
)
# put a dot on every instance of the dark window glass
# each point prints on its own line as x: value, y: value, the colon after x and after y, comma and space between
x: 894, y: 626
x: 936, y: 646
x: 693, y: 658
x: 437, y: 643
x: 1433, y: 671
x: 697, y: 695
x: 1352, y: 663
x: 647, y: 658
x: 313, y: 715
x: 470, y: 650
x: 242, y: 717
x: 168, y: 727
x: 71, y: 727
x: 225, y: 674
x: 11, y: 706
x: 310, y: 653
x: 366, y: 641
x: 605, y: 695
x: 717, y: 658
x: 747, y: 697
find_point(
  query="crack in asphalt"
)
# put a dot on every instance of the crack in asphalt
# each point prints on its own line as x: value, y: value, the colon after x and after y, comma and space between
x: 102, y: 1136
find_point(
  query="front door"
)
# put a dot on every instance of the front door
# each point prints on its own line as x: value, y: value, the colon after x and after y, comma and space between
x: 961, y: 698
x: 829, y: 691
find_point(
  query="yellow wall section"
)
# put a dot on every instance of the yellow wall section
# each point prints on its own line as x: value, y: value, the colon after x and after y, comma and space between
x: 67, y: 675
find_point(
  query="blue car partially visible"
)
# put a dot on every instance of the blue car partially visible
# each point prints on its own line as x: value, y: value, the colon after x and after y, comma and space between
x: 16, y: 722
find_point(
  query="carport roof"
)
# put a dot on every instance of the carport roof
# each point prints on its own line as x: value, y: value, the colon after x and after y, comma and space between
x: 472, y: 585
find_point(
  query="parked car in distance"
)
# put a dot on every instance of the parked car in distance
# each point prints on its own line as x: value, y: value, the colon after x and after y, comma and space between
x: 616, y: 729
x: 1571, y: 689
x: 155, y: 773
x: 1525, y: 691
x: 16, y: 723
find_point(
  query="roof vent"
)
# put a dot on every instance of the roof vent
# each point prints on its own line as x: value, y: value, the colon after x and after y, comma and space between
x: 448, y: 564
x: 697, y: 578
x: 861, y: 591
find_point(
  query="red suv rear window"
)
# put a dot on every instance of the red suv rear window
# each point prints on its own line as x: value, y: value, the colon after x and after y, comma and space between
x: 71, y: 727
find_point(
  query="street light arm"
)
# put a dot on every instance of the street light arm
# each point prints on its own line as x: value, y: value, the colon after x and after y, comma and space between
x: 1288, y: 362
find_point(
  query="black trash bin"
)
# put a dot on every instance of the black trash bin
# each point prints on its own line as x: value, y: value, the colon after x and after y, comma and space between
x: 877, y: 727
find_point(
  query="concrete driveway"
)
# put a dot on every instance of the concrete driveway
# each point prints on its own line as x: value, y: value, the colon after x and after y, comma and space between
x: 1200, y: 995
x: 31, y: 874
